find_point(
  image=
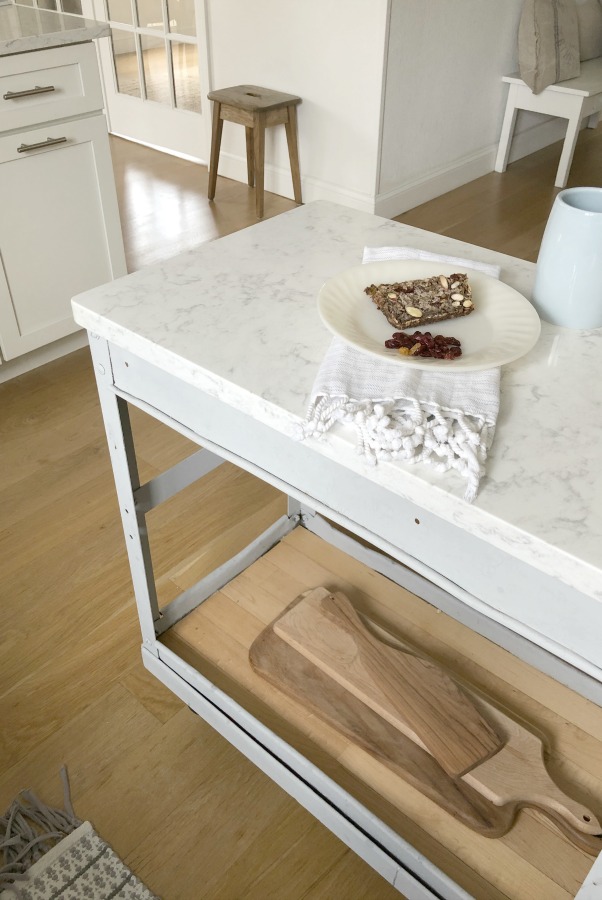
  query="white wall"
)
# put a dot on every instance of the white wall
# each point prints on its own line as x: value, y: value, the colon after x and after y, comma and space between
x: 331, y: 54
x: 402, y: 99
x: 444, y: 98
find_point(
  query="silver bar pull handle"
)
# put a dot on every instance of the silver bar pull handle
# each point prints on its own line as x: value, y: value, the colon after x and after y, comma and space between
x: 14, y: 95
x: 49, y: 142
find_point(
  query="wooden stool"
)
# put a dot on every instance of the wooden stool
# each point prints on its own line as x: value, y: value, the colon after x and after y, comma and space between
x: 256, y: 108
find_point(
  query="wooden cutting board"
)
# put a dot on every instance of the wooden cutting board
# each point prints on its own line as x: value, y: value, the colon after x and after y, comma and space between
x: 489, y: 812
x: 414, y: 695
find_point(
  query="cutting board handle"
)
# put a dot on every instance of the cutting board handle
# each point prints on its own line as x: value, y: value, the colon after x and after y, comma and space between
x: 517, y: 774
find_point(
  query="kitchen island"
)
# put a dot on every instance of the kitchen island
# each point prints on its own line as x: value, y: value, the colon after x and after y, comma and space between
x: 223, y: 344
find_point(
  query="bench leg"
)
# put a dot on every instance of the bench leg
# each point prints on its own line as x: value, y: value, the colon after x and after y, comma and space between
x: 259, y: 152
x: 508, y: 124
x: 568, y: 149
x: 293, y: 151
x: 592, y: 121
x: 216, y: 140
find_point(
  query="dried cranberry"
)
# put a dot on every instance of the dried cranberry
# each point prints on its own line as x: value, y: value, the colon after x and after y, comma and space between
x: 438, y: 347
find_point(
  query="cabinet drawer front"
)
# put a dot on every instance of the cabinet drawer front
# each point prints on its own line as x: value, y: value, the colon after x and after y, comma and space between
x: 49, y: 84
x: 23, y: 144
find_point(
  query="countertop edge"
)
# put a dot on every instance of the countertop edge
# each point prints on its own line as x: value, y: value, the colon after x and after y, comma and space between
x: 70, y: 30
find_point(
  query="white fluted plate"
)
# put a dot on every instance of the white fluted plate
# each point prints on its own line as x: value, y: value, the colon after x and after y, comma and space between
x: 503, y: 327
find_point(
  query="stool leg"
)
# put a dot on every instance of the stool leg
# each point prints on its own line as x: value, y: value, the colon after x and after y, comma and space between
x: 293, y: 151
x: 250, y: 156
x: 216, y: 140
x: 509, y: 122
x: 259, y: 152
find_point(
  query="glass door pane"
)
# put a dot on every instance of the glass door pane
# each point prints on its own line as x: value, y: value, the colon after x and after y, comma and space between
x: 150, y: 14
x: 157, y: 74
x: 125, y: 59
x: 180, y: 15
x: 185, y: 62
x: 120, y: 11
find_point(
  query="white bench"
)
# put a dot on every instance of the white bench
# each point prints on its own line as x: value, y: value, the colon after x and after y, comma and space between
x: 572, y: 99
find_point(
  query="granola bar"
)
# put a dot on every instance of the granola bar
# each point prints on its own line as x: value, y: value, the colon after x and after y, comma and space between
x: 423, y: 300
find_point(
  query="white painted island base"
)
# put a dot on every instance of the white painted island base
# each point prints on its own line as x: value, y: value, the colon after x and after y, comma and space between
x: 393, y: 532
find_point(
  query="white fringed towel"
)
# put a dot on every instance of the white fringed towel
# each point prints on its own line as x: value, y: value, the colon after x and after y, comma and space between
x: 445, y: 420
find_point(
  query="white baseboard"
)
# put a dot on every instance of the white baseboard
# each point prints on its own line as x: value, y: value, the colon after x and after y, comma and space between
x: 405, y: 196
x: 14, y: 367
x: 277, y: 180
x: 433, y: 185
x: 462, y: 171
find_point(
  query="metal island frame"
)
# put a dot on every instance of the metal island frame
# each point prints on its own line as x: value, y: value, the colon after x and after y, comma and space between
x: 223, y: 344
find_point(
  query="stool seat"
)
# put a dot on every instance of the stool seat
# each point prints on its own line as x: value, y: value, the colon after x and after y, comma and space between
x: 256, y: 108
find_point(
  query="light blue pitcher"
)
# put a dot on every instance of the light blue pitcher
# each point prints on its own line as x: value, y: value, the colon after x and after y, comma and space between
x: 568, y: 279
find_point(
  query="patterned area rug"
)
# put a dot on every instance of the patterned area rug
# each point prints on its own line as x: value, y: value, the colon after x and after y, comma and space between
x: 80, y: 867
x: 50, y: 854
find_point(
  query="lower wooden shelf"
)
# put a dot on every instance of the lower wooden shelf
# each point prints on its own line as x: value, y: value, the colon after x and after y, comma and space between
x: 534, y: 859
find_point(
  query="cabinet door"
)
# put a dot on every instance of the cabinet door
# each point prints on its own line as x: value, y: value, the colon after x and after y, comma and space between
x: 59, y: 229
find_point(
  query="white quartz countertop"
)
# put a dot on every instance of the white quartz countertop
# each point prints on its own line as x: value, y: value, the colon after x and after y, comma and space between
x: 24, y: 28
x: 238, y: 318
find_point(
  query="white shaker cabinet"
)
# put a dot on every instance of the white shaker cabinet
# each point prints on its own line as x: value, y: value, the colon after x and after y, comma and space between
x: 60, y: 231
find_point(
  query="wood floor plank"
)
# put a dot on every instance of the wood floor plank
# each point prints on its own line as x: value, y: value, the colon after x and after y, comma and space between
x: 156, y: 780
x: 225, y: 804
x: 298, y: 845
x: 62, y: 686
x: 59, y: 522
x: 248, y: 803
x: 343, y: 880
x: 89, y: 744
x: 153, y: 696
x: 175, y: 191
x: 48, y: 484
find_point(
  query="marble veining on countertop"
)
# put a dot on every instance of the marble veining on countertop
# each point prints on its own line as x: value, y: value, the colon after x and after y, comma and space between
x: 25, y: 28
x: 238, y: 318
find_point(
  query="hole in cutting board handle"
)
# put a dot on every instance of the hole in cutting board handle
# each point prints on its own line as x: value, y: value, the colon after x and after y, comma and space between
x: 251, y: 94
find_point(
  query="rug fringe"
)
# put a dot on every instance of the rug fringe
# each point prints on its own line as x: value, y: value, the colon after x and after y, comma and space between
x: 31, y: 828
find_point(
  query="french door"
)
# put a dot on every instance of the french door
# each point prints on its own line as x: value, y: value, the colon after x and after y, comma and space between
x: 155, y: 73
